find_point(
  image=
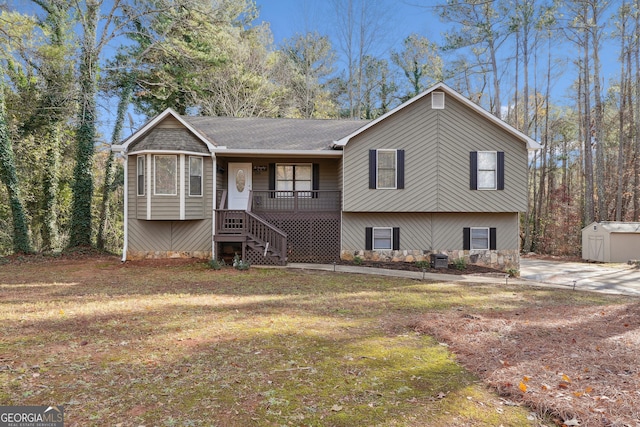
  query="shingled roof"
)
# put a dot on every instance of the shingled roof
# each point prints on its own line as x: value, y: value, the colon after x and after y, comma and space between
x: 273, y: 134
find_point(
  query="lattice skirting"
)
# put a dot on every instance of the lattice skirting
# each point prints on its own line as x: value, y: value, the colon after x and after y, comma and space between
x: 313, y: 239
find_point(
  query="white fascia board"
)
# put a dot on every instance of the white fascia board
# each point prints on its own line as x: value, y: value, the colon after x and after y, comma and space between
x: 277, y: 153
x: 188, y: 153
x: 153, y: 122
x: 531, y: 143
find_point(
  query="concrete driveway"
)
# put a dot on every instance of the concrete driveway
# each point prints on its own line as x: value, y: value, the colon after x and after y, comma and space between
x: 610, y: 278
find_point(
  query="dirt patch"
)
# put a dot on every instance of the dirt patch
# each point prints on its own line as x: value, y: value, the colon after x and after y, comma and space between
x: 576, y: 363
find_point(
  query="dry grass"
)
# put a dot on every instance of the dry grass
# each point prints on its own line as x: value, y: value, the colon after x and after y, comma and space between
x: 171, y: 343
x: 574, y: 360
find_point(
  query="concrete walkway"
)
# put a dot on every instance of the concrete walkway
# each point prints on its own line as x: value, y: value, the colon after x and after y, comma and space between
x: 620, y: 279
x: 607, y: 278
x: 495, y: 278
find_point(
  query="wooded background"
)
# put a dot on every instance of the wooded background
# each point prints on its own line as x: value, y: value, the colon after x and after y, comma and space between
x: 64, y: 62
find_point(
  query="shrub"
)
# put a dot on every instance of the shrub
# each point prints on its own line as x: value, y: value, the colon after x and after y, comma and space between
x: 513, y: 272
x: 423, y: 264
x: 240, y: 264
x: 460, y: 263
x: 357, y: 260
x: 215, y: 264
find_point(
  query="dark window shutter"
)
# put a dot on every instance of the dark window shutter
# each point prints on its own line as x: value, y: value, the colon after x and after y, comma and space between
x: 272, y: 179
x: 400, y: 160
x: 466, y: 239
x: 368, y: 238
x: 492, y: 239
x: 500, y: 170
x: 396, y: 238
x: 372, y: 168
x: 473, y: 170
x: 315, y: 180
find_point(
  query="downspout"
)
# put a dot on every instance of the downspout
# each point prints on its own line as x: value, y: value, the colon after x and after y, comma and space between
x: 126, y: 207
x: 213, y: 210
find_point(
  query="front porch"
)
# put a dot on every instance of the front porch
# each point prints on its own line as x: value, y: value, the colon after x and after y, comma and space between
x: 281, y: 226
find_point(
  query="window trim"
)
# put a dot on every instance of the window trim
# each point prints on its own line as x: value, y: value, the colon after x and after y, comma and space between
x: 487, y: 229
x: 301, y: 193
x: 495, y: 171
x: 155, y: 175
x: 201, y: 176
x: 138, y: 175
x: 395, y: 168
x: 373, y: 238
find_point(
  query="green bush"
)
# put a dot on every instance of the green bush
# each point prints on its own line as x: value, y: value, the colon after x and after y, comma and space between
x: 216, y: 265
x: 460, y: 263
x: 423, y: 264
x: 240, y: 264
x: 357, y: 260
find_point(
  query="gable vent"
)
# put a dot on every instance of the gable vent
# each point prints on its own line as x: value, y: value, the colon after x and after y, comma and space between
x: 437, y: 100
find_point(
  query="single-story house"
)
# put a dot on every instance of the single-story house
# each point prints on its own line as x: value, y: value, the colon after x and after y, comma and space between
x: 436, y: 175
x: 611, y: 241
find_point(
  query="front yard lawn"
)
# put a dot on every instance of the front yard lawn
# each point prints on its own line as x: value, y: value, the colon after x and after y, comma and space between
x: 177, y: 344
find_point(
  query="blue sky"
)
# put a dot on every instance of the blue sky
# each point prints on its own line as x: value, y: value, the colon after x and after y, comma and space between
x: 288, y: 17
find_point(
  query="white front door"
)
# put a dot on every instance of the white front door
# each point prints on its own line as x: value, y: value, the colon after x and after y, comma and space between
x: 239, y: 185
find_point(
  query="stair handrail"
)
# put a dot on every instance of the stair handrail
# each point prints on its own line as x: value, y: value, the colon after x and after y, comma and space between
x: 279, y: 243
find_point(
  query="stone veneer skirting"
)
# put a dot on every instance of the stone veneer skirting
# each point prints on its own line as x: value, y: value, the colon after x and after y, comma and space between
x: 133, y: 255
x: 506, y: 259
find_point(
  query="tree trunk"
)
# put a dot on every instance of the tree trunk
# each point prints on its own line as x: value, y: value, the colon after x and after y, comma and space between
x: 107, y: 188
x: 21, y: 243
x: 86, y: 132
x: 599, y: 117
x: 49, y: 232
x: 621, y: 138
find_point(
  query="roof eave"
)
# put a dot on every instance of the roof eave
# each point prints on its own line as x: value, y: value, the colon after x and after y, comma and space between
x: 222, y: 151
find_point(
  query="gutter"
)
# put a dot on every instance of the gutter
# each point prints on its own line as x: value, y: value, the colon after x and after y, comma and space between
x: 126, y: 207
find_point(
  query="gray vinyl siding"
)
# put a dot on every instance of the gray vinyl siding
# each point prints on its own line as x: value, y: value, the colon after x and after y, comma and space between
x: 199, y: 207
x: 437, y: 144
x: 448, y: 229
x: 415, y: 229
x: 184, y: 236
x: 429, y: 231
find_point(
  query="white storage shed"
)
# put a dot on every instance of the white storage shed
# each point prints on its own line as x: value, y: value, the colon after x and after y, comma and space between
x: 611, y: 241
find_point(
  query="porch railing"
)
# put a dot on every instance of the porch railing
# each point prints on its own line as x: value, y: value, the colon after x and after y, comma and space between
x: 243, y: 223
x: 296, y: 201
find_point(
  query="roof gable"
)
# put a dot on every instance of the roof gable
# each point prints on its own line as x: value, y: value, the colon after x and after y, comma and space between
x: 149, y: 129
x: 531, y: 143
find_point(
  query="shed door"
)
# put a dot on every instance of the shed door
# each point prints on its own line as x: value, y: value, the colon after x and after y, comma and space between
x: 239, y: 185
x: 596, y: 248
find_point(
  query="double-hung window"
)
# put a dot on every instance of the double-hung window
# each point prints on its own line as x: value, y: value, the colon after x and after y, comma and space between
x: 166, y: 173
x: 386, y: 169
x: 294, y: 177
x: 140, y: 176
x: 479, y: 238
x: 195, y: 176
x: 487, y: 170
x: 382, y: 238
